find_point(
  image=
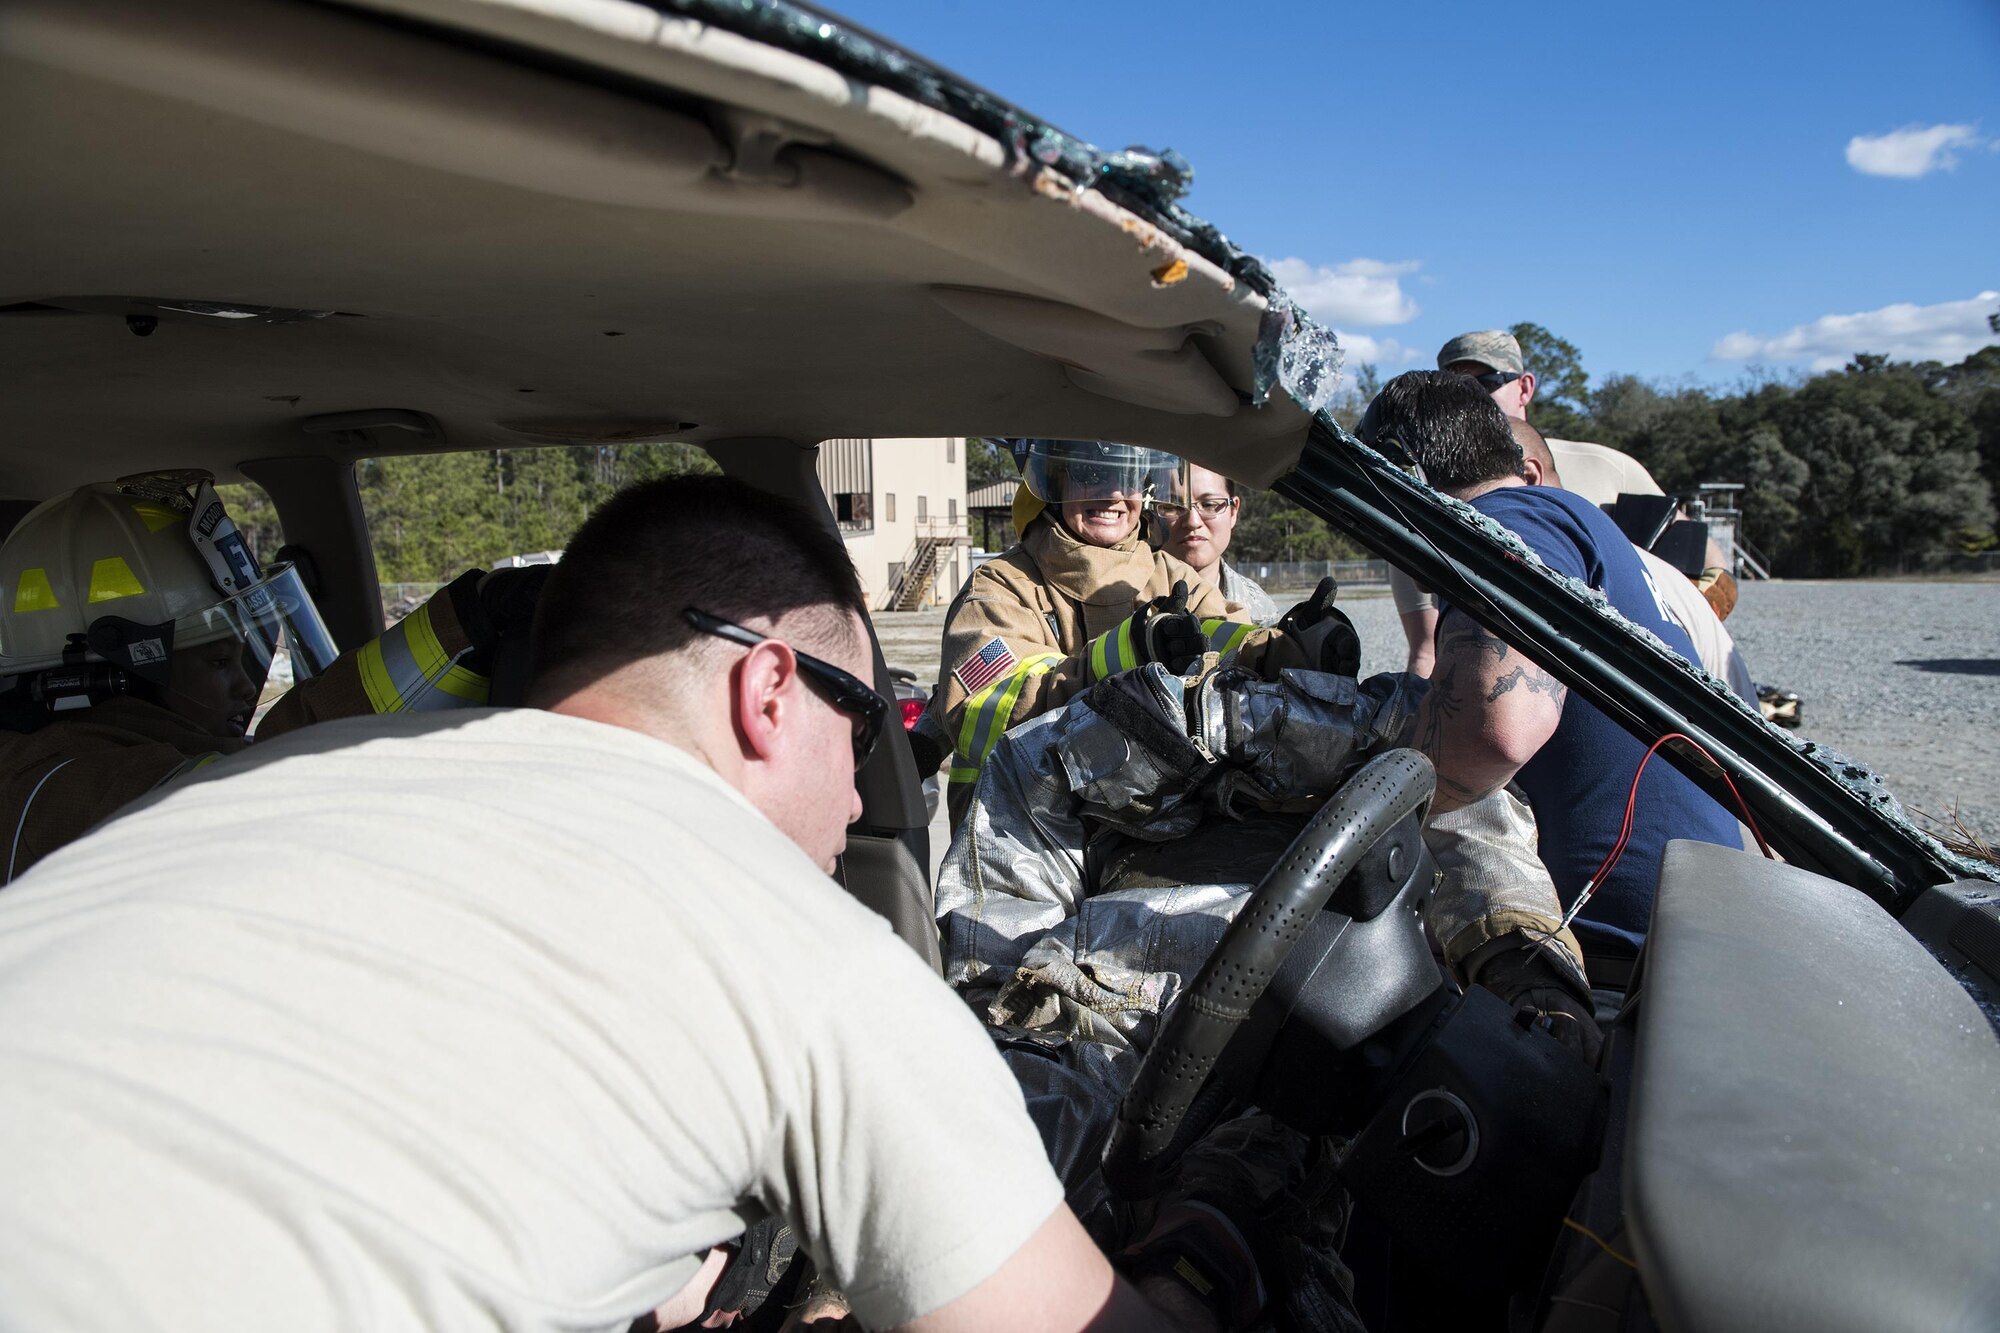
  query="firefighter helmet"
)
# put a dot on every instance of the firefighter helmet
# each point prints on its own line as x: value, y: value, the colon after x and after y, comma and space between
x: 128, y: 572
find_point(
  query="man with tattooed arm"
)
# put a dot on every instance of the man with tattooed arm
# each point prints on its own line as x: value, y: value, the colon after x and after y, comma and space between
x: 1493, y: 717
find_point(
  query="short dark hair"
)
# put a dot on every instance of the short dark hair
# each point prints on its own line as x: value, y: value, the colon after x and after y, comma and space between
x: 1449, y: 424
x: 659, y: 547
x: 1534, y: 445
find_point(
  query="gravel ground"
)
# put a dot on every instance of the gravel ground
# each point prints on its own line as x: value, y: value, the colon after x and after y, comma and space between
x: 1903, y: 676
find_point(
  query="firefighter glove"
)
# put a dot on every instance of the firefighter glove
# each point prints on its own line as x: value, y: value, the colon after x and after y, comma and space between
x: 495, y: 606
x: 1520, y: 972
x: 764, y: 1255
x: 1324, y: 635
x: 1164, y: 631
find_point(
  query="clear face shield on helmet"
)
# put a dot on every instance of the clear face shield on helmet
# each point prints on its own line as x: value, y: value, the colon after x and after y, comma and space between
x: 211, y: 665
x: 274, y: 619
x: 1094, y: 472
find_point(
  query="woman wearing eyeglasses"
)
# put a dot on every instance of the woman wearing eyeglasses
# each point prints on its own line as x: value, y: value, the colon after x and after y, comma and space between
x: 1199, y: 521
x: 1081, y: 597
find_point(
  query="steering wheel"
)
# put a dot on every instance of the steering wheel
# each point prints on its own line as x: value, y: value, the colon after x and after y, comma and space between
x: 1147, y: 1138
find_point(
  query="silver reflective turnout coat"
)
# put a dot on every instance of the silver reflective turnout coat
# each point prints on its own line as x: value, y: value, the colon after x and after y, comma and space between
x: 1073, y: 952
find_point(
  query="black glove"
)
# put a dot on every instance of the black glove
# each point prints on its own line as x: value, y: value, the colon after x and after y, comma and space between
x: 495, y: 606
x: 1323, y: 632
x: 764, y: 1255
x: 1205, y: 1260
x: 508, y: 597
x: 1164, y: 631
x: 1519, y: 971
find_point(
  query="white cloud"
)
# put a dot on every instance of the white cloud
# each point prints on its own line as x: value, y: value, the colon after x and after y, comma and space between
x: 1378, y: 352
x: 1949, y: 331
x: 1367, y: 292
x: 1912, y: 151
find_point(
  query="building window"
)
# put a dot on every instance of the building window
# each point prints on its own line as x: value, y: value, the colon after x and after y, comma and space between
x: 852, y: 510
x: 888, y: 506
x: 922, y: 502
x: 847, y: 476
x: 951, y: 510
x: 950, y: 449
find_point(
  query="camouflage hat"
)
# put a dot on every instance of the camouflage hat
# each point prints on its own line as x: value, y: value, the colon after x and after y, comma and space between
x: 1492, y: 348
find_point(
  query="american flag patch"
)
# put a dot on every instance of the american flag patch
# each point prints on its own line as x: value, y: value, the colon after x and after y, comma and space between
x: 994, y: 660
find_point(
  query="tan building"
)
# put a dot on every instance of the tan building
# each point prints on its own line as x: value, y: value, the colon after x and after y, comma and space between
x: 901, y: 509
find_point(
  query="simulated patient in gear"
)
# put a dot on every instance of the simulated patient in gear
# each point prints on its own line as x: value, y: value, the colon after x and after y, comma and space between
x: 138, y: 633
x: 1107, y: 847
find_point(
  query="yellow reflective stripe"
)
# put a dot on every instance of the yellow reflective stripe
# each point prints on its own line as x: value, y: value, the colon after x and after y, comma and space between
x: 111, y: 578
x: 469, y: 686
x: 1111, y: 652
x: 988, y: 712
x: 426, y: 652
x: 33, y: 592
x: 957, y: 773
x: 381, y: 691
x: 978, y: 709
x: 186, y: 767
x: 409, y: 669
x: 1001, y: 713
x: 1225, y: 636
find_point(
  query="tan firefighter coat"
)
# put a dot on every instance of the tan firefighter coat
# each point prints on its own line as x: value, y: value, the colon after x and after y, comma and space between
x: 1043, y: 622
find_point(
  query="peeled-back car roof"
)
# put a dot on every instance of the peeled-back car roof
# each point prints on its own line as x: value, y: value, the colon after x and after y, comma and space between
x: 569, y: 221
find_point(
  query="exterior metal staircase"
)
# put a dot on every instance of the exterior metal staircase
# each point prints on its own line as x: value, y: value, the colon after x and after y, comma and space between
x: 913, y: 589
x: 915, y: 585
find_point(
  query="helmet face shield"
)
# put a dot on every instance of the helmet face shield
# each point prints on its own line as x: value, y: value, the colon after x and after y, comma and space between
x: 1060, y: 472
x: 273, y: 619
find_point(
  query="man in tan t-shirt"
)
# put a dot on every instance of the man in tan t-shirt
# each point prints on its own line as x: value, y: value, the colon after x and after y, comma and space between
x: 512, y: 1018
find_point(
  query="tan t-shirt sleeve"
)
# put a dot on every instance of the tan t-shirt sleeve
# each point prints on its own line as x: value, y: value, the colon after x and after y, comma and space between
x: 910, y: 1156
x: 1408, y: 596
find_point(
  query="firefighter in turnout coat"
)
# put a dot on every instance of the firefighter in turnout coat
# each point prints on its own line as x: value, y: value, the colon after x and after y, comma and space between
x: 137, y: 632
x: 1079, y: 598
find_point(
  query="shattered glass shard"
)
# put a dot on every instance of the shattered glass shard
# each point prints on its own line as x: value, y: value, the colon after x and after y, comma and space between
x: 1296, y: 354
x: 1309, y: 364
x: 1159, y: 178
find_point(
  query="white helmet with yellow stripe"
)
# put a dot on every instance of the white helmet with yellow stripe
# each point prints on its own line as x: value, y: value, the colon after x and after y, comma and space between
x: 127, y: 573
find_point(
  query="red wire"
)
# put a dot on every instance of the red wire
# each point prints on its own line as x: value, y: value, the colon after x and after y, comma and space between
x: 1632, y: 801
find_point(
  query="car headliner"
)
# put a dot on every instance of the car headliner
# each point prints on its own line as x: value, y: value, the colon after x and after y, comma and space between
x: 556, y: 221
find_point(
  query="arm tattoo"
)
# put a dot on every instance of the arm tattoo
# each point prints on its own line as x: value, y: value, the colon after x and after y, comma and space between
x: 1439, y: 705
x: 1463, y: 631
x: 1465, y: 792
x: 1461, y: 642
x: 1468, y: 656
x: 1537, y: 681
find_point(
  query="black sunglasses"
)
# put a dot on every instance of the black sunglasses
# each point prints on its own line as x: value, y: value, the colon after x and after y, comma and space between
x: 1493, y: 379
x: 846, y: 692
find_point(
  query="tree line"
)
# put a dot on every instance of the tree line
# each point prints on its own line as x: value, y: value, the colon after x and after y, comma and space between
x: 1881, y: 466
x: 434, y: 516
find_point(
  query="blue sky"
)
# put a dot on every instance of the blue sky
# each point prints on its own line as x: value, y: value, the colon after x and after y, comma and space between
x: 1676, y: 188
